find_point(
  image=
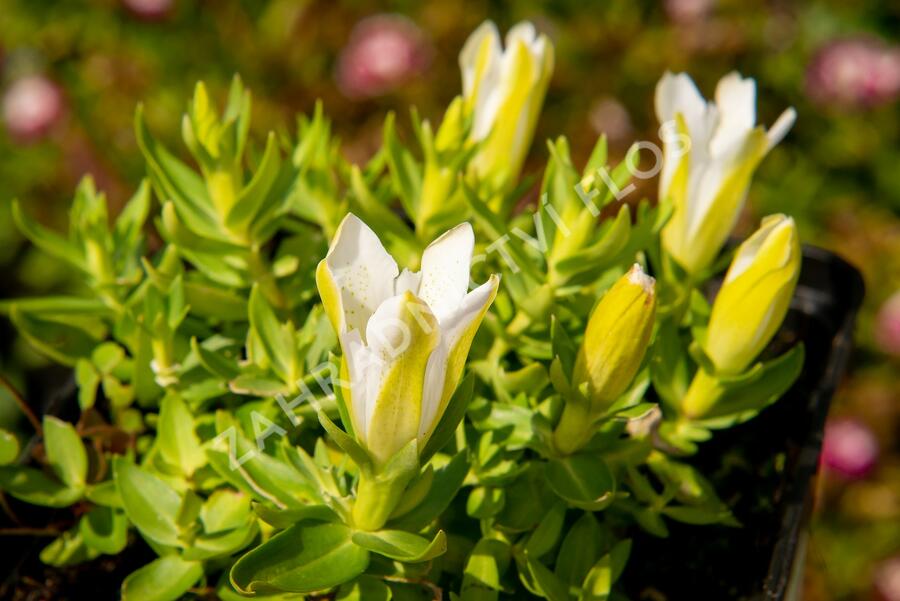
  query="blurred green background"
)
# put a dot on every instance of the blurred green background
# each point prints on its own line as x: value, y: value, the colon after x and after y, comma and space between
x: 72, y: 72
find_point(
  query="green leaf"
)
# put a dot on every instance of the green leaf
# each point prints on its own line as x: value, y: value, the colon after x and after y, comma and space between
x: 33, y: 486
x: 240, y: 462
x: 745, y: 397
x: 277, y: 338
x: 305, y: 558
x: 65, y: 452
x: 214, y: 362
x: 583, y: 544
x: 347, y: 443
x: 164, y: 579
x: 547, y: 533
x: 583, y: 480
x: 104, y: 529
x: 177, y: 441
x: 548, y: 583
x: 365, y: 588
x: 105, y: 494
x: 214, y: 302
x: 57, y: 305
x: 484, y: 570
x: 447, y: 481
x: 224, y: 510
x: 285, y: 518
x: 9, y: 447
x: 402, y: 546
x: 51, y: 243
x: 130, y: 222
x: 177, y: 182
x: 485, y: 502
x: 415, y: 492
x: 222, y: 544
x: 151, y: 504
x: 670, y: 368
x: 599, y: 580
x: 68, y: 549
x: 405, y: 171
x: 253, y: 196
x: 64, y: 339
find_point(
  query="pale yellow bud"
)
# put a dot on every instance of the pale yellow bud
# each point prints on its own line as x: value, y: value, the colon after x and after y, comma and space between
x: 617, y: 337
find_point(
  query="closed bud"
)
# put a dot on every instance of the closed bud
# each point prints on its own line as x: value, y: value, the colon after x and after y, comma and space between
x: 755, y: 295
x: 749, y: 308
x: 616, y: 338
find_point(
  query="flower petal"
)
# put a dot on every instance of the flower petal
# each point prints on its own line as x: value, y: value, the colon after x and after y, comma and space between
x: 781, y: 127
x: 445, y: 270
x: 358, y: 361
x: 357, y: 265
x: 402, y: 334
x: 479, y: 62
x: 407, y: 281
x: 445, y: 367
x: 736, y: 103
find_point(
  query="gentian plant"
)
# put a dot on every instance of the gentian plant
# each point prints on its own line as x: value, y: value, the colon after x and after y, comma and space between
x: 341, y: 381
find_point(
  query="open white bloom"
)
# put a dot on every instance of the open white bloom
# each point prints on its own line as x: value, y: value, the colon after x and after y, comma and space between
x: 405, y: 336
x: 504, y: 90
x: 707, y: 178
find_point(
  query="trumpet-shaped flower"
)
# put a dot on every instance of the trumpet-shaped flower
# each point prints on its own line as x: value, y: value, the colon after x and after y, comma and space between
x: 710, y: 153
x: 504, y: 90
x: 405, y: 336
x: 755, y: 295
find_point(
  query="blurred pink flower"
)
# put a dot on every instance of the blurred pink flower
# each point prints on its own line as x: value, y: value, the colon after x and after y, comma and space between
x: 887, y: 580
x: 887, y: 325
x: 31, y: 107
x: 383, y: 52
x: 854, y: 73
x: 688, y: 11
x: 150, y: 10
x: 609, y: 116
x: 850, y: 448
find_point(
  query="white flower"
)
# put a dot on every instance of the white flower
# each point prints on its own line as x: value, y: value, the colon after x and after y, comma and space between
x: 504, y: 91
x: 405, y: 336
x: 708, y: 181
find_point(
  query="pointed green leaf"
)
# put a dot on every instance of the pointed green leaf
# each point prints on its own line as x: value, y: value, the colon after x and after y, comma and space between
x: 177, y: 440
x: 65, y: 452
x: 151, y: 504
x: 104, y: 529
x: 402, y: 546
x: 584, y: 481
x: 305, y: 558
x: 164, y: 579
x: 33, y: 486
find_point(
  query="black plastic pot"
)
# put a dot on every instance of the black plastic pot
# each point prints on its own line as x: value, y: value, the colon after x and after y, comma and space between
x: 765, y: 469
x: 829, y: 294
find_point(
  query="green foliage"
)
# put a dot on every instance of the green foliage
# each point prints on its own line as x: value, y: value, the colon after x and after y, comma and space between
x: 211, y: 360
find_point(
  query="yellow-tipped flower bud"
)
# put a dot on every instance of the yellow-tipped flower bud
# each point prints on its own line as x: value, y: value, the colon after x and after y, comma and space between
x: 755, y: 295
x: 749, y: 308
x: 616, y: 338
